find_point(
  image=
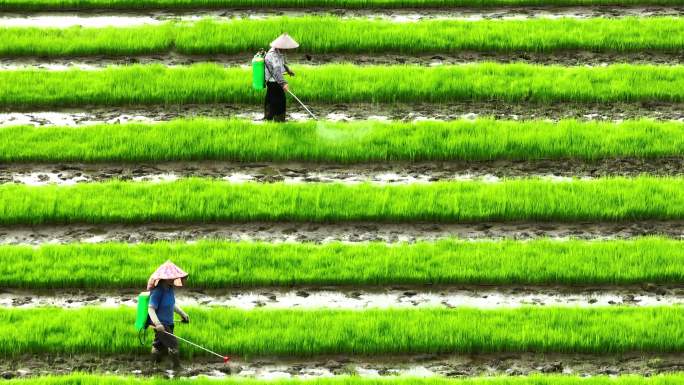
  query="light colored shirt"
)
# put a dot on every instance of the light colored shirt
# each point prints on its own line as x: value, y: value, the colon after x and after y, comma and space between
x: 276, y: 66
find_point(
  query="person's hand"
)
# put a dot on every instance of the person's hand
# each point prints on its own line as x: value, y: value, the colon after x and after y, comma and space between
x: 286, y: 87
x: 159, y: 328
x: 291, y: 73
x: 185, y: 318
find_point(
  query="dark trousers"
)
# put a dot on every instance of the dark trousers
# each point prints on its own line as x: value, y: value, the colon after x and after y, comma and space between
x: 163, y: 342
x: 275, y: 103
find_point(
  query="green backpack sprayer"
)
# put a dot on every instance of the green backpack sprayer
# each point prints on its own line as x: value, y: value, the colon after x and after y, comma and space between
x: 141, y: 316
x: 141, y: 325
x: 259, y: 78
x: 259, y: 71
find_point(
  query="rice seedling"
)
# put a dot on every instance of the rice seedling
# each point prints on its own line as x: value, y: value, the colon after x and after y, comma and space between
x: 51, y: 5
x: 368, y: 332
x: 357, y: 142
x: 198, y: 200
x: 216, y: 264
x: 83, y: 379
x: 322, y: 34
x: 83, y: 41
x: 329, y: 34
x: 208, y: 83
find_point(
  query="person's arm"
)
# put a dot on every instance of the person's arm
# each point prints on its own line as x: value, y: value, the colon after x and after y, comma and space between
x: 155, y: 320
x: 181, y: 313
x: 155, y: 298
x: 288, y: 70
x: 278, y: 76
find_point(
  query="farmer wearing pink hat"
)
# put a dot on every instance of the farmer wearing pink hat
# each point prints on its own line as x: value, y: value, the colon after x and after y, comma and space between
x: 161, y: 309
x: 276, y: 85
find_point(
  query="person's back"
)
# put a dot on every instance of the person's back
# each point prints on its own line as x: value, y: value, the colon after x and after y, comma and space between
x: 275, y: 67
x: 163, y: 300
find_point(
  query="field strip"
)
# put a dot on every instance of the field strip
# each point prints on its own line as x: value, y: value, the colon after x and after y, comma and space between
x: 221, y: 264
x: 350, y: 112
x: 26, y: 369
x: 197, y: 200
x: 361, y: 298
x: 336, y: 5
x: 336, y: 35
x: 146, y: 17
x: 325, y: 233
x: 174, y: 59
x: 210, y: 83
x: 493, y: 194
x: 346, y: 143
x: 308, y: 333
x: 386, y: 173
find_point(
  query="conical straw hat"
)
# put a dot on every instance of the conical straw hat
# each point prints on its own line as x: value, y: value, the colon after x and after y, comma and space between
x: 168, y: 270
x: 284, y: 41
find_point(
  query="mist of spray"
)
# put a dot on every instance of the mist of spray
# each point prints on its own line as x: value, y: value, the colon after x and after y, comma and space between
x: 329, y: 134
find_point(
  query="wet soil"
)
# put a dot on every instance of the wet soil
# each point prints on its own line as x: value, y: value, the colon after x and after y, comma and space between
x: 357, y: 298
x: 105, y: 18
x: 505, y: 364
x: 566, y: 58
x: 381, y: 173
x: 350, y: 112
x: 343, y: 232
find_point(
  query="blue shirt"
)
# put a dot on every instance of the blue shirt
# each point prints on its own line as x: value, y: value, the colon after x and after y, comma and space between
x: 163, y: 300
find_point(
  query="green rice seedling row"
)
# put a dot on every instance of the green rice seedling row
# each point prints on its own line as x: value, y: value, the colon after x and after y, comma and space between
x: 57, y: 5
x: 208, y: 83
x: 369, y: 332
x: 197, y: 200
x: 81, y: 379
x: 343, y: 143
x: 321, y: 34
x: 217, y: 264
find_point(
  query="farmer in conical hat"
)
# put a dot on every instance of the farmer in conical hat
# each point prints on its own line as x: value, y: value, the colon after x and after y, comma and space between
x: 276, y: 85
x: 161, y: 309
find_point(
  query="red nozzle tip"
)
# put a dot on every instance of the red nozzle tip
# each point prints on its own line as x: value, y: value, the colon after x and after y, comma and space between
x: 226, y: 359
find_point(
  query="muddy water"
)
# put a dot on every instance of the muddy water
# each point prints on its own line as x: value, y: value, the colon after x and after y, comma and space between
x: 71, y: 20
x: 126, y: 19
x: 343, y: 232
x: 173, y: 59
x: 381, y: 173
x: 510, y: 364
x: 352, y: 112
x: 359, y: 298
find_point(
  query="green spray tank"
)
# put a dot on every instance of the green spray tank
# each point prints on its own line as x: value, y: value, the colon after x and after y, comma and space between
x: 141, y: 317
x: 259, y: 71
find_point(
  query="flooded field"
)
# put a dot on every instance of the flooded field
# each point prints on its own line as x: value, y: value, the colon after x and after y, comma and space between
x: 293, y: 313
x: 368, y: 298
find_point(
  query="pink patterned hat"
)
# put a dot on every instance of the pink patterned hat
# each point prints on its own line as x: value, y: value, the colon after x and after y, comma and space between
x: 168, y: 270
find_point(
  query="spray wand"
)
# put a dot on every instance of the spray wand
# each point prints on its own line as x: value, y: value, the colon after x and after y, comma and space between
x: 225, y: 358
x: 305, y: 107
